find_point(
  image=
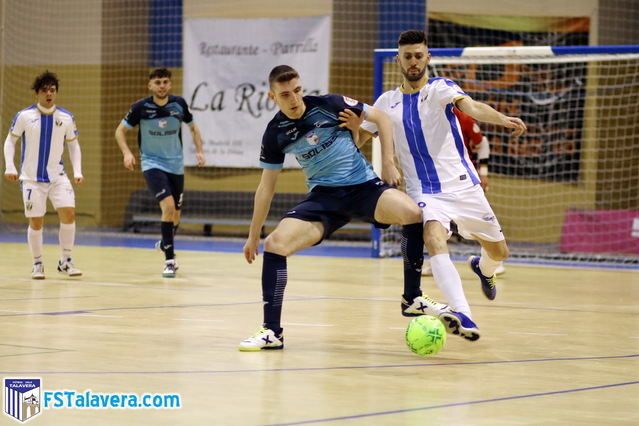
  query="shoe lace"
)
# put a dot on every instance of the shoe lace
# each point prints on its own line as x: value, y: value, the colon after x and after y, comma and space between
x: 491, y: 281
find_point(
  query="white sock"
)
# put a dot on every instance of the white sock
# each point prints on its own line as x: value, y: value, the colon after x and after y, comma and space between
x: 449, y: 282
x: 67, y: 238
x: 34, y: 239
x: 487, y: 265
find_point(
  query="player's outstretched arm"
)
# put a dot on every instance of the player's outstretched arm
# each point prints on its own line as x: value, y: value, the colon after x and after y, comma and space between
x: 261, y: 206
x: 390, y: 174
x: 199, y: 146
x: 120, y: 137
x: 484, y: 112
x: 75, y: 155
x: 10, y: 172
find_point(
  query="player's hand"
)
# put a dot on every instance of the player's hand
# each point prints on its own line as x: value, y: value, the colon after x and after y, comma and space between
x: 483, y: 181
x: 201, y: 160
x: 516, y: 124
x: 11, y: 177
x: 391, y: 175
x: 251, y: 248
x: 78, y: 180
x: 129, y: 161
x: 350, y: 120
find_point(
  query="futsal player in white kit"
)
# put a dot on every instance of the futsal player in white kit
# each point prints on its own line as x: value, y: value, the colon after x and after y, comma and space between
x: 438, y: 172
x: 44, y: 130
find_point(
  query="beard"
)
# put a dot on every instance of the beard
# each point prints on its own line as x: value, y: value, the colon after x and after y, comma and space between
x: 413, y: 77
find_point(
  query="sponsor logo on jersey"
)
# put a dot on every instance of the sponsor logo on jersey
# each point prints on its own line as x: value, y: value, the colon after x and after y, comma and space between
x: 312, y: 138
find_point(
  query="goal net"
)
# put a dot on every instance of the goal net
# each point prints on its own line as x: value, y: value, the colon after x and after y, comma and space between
x: 569, y: 188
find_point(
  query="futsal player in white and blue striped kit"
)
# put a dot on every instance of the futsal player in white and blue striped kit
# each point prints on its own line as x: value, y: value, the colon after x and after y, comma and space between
x: 44, y: 129
x: 342, y: 186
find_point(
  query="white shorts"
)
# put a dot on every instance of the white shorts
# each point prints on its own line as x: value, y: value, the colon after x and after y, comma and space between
x: 35, y: 194
x: 468, y: 208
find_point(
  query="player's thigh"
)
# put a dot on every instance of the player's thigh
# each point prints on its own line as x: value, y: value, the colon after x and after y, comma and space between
x: 176, y: 185
x: 61, y: 194
x: 395, y: 207
x: 475, y: 218
x: 292, y: 235
x: 158, y: 183
x: 34, y: 197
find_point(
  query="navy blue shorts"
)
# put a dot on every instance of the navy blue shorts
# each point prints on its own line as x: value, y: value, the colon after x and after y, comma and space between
x: 336, y: 206
x: 162, y: 184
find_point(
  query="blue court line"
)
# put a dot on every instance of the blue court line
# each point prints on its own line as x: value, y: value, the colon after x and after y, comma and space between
x: 325, y: 249
x: 322, y: 369
x: 215, y: 245
x: 455, y: 404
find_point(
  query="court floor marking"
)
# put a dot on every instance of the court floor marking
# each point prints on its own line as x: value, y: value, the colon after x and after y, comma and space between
x: 456, y: 404
x: 631, y: 357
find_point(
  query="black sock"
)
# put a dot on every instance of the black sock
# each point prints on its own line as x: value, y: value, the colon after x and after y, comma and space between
x: 274, y: 276
x: 167, y: 240
x: 413, y: 253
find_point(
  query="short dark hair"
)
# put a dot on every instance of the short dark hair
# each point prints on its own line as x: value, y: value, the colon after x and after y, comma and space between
x: 45, y: 79
x: 159, y: 73
x: 412, y: 37
x: 282, y: 74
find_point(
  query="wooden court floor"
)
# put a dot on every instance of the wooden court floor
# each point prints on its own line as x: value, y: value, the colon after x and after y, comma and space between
x: 560, y: 346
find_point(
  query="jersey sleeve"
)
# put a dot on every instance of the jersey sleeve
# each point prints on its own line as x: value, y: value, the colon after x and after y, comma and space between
x: 72, y: 131
x: 17, y: 125
x: 132, y: 118
x: 188, y: 117
x: 447, y: 92
x: 271, y: 156
x: 340, y: 103
x: 382, y: 104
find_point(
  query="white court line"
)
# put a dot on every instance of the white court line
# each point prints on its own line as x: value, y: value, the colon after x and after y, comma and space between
x: 308, y: 325
x: 199, y: 319
x: 397, y: 328
x: 537, y: 334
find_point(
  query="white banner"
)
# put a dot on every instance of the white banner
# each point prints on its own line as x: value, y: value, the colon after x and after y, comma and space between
x: 226, y: 67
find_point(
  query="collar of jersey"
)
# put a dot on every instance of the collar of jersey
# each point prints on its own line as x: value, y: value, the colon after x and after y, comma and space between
x: 410, y: 91
x: 46, y: 111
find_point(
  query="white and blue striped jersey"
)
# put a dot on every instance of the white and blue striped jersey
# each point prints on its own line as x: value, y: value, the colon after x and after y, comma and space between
x: 325, y: 151
x: 428, y: 138
x: 43, y: 137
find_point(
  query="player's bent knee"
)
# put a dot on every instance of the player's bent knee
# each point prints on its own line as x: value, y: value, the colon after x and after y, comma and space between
x: 274, y: 243
x: 435, y: 244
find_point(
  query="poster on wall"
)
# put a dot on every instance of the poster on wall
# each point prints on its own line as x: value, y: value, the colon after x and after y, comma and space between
x: 226, y: 67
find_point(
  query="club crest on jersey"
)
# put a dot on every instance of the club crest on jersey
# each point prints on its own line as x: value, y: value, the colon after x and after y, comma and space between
x: 312, y: 138
x: 162, y: 123
x: 350, y: 101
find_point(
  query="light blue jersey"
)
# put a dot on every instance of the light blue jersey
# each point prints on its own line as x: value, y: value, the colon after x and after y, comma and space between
x: 326, y: 152
x: 160, y: 135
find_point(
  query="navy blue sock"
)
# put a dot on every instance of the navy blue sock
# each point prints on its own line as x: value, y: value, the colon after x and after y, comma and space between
x: 413, y: 253
x: 167, y: 240
x: 274, y: 276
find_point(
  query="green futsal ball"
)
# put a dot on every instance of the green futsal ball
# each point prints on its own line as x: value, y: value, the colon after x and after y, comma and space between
x: 425, y: 335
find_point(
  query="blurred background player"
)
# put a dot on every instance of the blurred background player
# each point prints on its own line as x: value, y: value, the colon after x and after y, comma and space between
x: 478, y: 149
x: 342, y: 185
x: 44, y: 129
x: 160, y: 118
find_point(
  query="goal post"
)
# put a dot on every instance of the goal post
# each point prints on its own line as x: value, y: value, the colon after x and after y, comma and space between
x: 569, y: 188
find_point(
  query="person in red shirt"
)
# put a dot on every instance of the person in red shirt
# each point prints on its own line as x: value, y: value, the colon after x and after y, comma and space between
x: 479, y: 151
